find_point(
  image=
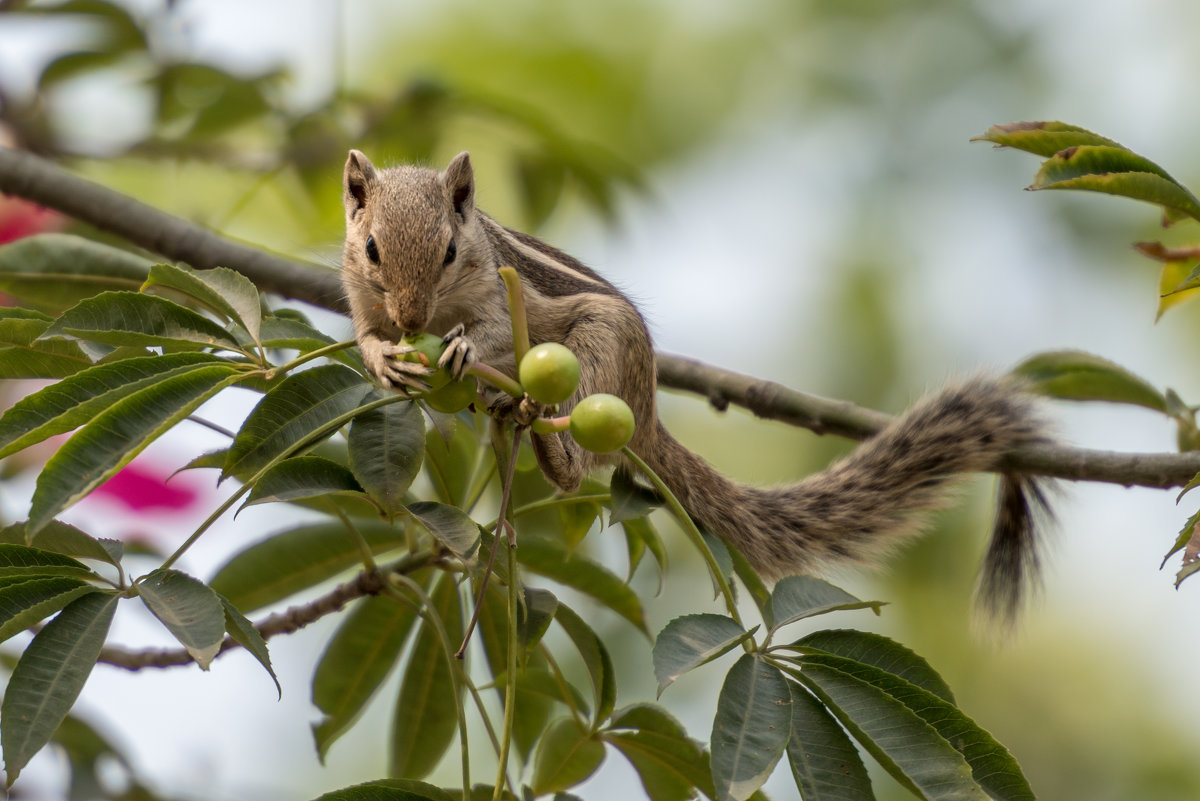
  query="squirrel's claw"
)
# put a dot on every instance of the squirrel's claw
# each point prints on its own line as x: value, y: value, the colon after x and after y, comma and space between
x: 380, y: 359
x: 460, y: 353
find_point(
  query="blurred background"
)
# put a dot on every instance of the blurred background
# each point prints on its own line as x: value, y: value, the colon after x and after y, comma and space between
x: 788, y: 190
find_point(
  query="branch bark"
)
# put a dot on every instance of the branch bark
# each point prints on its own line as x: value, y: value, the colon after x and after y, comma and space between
x: 29, y: 176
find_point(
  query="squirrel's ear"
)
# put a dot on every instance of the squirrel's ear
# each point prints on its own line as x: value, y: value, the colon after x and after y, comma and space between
x: 359, y: 176
x: 460, y: 183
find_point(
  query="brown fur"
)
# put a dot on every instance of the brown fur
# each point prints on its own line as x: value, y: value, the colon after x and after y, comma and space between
x: 857, y: 511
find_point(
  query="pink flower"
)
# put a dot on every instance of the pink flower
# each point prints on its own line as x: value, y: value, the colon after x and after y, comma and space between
x: 141, y: 488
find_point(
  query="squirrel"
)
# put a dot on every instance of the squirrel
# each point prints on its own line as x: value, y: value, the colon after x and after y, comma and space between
x: 420, y: 257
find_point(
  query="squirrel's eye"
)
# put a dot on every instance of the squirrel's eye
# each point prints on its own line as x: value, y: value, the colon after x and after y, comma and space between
x: 372, y: 250
x: 451, y: 252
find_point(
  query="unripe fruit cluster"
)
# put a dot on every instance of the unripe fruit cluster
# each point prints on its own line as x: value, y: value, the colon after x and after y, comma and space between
x: 600, y: 423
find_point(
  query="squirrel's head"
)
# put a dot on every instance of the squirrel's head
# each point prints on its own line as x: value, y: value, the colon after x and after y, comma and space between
x: 401, y: 230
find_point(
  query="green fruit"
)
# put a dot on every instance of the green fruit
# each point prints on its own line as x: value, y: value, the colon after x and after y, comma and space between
x: 602, y: 423
x: 454, y: 396
x: 428, y: 349
x: 549, y: 373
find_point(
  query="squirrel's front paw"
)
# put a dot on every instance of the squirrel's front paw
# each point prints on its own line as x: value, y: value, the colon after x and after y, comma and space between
x: 460, y: 353
x: 380, y: 357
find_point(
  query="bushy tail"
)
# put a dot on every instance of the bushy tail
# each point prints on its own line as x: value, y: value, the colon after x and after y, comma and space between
x: 876, y: 498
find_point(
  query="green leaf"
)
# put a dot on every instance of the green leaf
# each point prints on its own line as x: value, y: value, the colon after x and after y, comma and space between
x: 1116, y: 171
x: 131, y: 318
x: 824, y: 761
x: 244, y: 634
x: 993, y: 767
x: 189, y: 609
x: 691, y: 641
x: 299, y: 405
x: 386, y: 445
x: 1076, y: 375
x: 302, y: 477
x: 669, y: 763
x: 909, y: 748
x: 753, y: 583
x: 1042, y: 138
x: 595, y: 659
x: 449, y: 525
x: 426, y: 718
x: 549, y: 558
x: 642, y: 536
x: 630, y: 500
x: 449, y: 463
x: 119, y: 433
x: 50, y: 676
x: 21, y: 560
x: 357, y: 659
x: 26, y: 356
x: 25, y: 603
x: 294, y: 560
x: 391, y: 790
x: 565, y: 756
x: 534, y: 617
x: 224, y: 291
x: 65, y: 539
x: 750, y: 729
x: 799, y: 597
x: 73, y: 401
x: 880, y: 652
x: 53, y: 272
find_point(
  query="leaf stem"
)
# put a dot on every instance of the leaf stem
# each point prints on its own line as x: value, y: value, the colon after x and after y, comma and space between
x: 304, y: 358
x: 490, y: 375
x: 510, y: 683
x: 690, y: 529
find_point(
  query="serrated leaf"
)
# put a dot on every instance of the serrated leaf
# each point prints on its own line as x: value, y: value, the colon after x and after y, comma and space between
x: 690, y: 641
x: 1077, y: 375
x: 50, y: 676
x: 565, y: 756
x: 909, y: 748
x: 71, y: 402
x: 131, y: 318
x: 294, y: 560
x: 880, y: 652
x: 824, y: 761
x: 449, y: 525
x: 298, y: 406
x: 1116, y: 171
x: 21, y: 560
x: 595, y: 659
x: 65, y: 539
x: 671, y: 766
x: 27, y: 602
x: 53, y: 272
x: 425, y: 718
x: 549, y: 558
x: 26, y: 356
x: 224, y: 291
x: 359, y: 656
x: 119, y: 433
x: 386, y: 446
x: 244, y: 634
x: 992, y: 766
x: 302, y: 477
x: 189, y: 609
x: 798, y: 597
x: 1042, y: 138
x: 750, y: 729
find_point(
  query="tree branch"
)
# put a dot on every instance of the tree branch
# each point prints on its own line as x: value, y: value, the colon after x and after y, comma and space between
x: 42, y: 181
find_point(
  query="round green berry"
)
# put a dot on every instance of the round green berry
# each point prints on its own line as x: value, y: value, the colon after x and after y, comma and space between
x: 427, y: 350
x: 454, y: 396
x: 602, y: 423
x: 549, y: 373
